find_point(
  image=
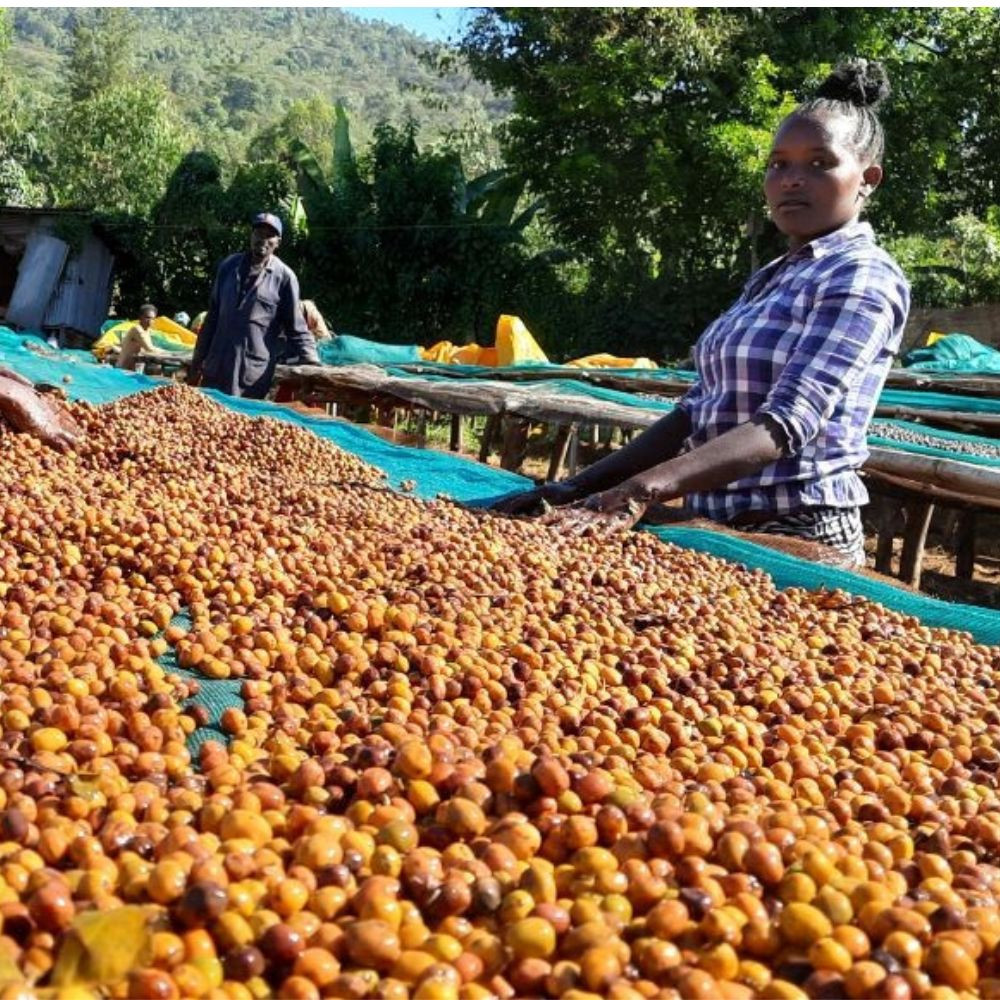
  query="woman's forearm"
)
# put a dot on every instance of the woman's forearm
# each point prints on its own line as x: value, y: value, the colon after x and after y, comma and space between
x: 655, y: 445
x: 738, y: 453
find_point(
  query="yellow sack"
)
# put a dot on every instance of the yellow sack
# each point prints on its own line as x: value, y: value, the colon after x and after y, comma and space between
x: 166, y: 334
x: 515, y: 344
x: 611, y: 361
x: 934, y: 337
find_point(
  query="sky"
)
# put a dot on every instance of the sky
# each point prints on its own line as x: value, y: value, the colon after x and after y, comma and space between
x: 435, y: 23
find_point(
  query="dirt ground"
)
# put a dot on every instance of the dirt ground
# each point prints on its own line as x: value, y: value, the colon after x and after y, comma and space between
x: 938, y: 578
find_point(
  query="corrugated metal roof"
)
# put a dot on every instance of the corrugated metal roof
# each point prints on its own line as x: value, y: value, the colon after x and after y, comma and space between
x: 81, y: 291
x: 81, y: 299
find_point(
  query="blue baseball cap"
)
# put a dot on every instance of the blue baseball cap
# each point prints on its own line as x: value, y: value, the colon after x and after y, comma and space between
x: 267, y: 219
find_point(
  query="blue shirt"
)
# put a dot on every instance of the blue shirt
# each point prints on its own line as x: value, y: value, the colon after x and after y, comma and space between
x: 239, y: 343
x: 808, y: 343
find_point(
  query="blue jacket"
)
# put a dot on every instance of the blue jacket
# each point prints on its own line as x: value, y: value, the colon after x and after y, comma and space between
x: 239, y: 343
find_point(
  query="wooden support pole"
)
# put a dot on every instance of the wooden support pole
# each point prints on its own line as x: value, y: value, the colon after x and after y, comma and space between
x: 515, y: 443
x: 574, y: 449
x: 489, y: 433
x: 965, y: 545
x: 918, y: 520
x: 887, y: 521
x: 559, y: 448
x: 455, y: 443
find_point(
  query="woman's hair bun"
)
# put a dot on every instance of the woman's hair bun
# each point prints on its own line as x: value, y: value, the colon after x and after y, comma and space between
x: 861, y: 82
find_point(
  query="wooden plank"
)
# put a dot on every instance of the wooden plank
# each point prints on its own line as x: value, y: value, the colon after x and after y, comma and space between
x: 515, y: 443
x: 574, y: 450
x: 947, y: 473
x: 484, y: 396
x: 951, y: 418
x: 918, y: 520
x: 971, y: 385
x: 607, y: 379
x: 911, y: 486
x: 887, y: 520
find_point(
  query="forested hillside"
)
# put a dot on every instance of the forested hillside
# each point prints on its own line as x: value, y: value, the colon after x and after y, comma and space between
x: 595, y: 170
x: 233, y: 71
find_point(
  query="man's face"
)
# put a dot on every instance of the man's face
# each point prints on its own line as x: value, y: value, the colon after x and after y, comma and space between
x: 146, y: 319
x: 263, y: 242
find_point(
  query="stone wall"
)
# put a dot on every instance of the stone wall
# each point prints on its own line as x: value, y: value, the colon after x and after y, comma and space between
x: 981, y: 322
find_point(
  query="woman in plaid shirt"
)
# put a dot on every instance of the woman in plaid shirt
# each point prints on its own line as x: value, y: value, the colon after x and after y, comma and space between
x: 772, y: 434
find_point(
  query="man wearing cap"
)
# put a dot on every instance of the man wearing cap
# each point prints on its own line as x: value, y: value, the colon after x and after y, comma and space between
x: 254, y: 301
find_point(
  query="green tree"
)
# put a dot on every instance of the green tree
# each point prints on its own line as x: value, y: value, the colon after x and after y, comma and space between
x: 191, y: 234
x: 101, y: 56
x: 6, y: 31
x: 310, y: 121
x: 18, y: 144
x: 646, y: 129
x: 402, y: 247
x: 117, y: 148
x: 619, y: 116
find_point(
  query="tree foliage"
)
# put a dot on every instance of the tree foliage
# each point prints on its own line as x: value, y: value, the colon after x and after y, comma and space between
x: 117, y: 148
x: 234, y: 72
x: 101, y: 55
x: 411, y: 248
x: 618, y: 207
x: 18, y: 147
x: 646, y: 128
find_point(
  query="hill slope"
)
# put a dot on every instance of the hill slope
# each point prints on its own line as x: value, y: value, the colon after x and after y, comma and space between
x: 234, y: 70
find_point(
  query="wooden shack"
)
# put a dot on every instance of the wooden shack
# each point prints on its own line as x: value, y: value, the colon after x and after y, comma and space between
x: 51, y: 281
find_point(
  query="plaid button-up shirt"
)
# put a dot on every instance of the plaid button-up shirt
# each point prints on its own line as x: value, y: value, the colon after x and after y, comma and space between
x: 809, y: 343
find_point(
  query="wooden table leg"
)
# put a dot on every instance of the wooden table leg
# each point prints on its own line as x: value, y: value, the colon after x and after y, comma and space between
x: 574, y: 449
x: 489, y: 433
x: 965, y: 547
x: 918, y: 520
x: 887, y: 519
x: 559, y: 449
x: 515, y: 443
x: 455, y: 444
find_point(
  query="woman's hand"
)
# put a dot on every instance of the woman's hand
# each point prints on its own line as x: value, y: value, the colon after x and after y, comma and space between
x: 537, y: 500
x: 25, y: 410
x: 611, y: 511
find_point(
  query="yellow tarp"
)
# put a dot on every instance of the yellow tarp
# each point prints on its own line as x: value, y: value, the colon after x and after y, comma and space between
x: 514, y: 346
x: 443, y: 352
x: 611, y: 361
x: 166, y: 334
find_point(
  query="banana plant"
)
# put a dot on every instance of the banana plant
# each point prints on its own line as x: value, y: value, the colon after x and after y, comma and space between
x: 491, y: 199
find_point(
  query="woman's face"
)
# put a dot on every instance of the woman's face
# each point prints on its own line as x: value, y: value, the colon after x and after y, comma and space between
x: 814, y: 181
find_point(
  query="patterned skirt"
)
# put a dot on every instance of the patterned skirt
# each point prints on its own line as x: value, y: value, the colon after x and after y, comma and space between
x: 838, y: 527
